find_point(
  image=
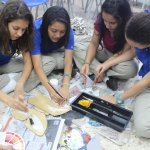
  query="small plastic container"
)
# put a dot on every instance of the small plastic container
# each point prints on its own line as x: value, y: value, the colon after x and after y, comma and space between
x: 147, y: 10
x: 54, y: 82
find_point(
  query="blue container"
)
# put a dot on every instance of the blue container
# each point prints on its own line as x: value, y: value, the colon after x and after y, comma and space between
x: 147, y: 10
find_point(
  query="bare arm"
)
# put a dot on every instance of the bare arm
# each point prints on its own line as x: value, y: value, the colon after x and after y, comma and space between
x: 13, y: 102
x: 91, y: 52
x: 137, y: 88
x: 43, y: 78
x: 67, y: 65
x: 40, y: 72
x: 92, y: 47
x: 67, y: 71
x: 128, y: 53
x: 133, y: 91
x: 27, y: 68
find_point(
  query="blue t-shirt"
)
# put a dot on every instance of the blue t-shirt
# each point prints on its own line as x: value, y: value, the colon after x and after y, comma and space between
x: 4, y: 59
x: 144, y: 56
x: 54, y: 46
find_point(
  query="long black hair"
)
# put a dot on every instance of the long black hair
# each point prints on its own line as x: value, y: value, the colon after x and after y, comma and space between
x: 138, y: 28
x: 54, y: 14
x: 121, y: 11
x: 13, y: 10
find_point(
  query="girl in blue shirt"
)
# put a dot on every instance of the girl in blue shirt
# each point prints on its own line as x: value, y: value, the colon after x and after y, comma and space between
x: 54, y: 44
x: 16, y: 34
x: 138, y: 36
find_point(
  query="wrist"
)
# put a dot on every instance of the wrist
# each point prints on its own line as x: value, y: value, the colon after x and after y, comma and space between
x: 20, y: 84
x: 86, y: 63
x: 65, y: 85
x: 67, y: 75
x: 49, y: 88
x: 117, y: 95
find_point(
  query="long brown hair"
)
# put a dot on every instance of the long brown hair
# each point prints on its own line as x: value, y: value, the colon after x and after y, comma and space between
x: 54, y: 14
x: 121, y: 11
x: 14, y: 10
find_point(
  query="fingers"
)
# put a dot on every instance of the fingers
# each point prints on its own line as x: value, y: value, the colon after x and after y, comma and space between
x: 8, y: 147
x: 110, y: 99
x: 57, y: 98
x: 99, y: 74
x: 98, y: 78
x: 83, y: 79
x: 85, y: 70
x: 21, y: 105
x: 21, y: 97
x: 95, y: 80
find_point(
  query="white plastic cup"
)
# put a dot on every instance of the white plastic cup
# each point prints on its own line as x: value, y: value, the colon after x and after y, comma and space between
x: 54, y: 82
x: 0, y: 127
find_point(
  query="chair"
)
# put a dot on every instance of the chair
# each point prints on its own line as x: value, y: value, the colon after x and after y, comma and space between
x: 147, y: 10
x: 33, y: 3
x: 89, y: 3
x: 61, y: 4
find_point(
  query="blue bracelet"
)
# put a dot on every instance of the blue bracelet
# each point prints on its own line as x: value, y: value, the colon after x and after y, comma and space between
x: 67, y: 75
x: 118, y: 97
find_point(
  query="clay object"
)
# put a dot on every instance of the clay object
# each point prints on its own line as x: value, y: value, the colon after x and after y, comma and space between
x: 39, y: 124
x: 44, y: 103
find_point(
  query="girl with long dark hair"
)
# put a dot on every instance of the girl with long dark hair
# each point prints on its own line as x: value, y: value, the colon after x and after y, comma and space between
x: 54, y: 44
x: 137, y: 34
x: 108, y: 46
x: 16, y: 34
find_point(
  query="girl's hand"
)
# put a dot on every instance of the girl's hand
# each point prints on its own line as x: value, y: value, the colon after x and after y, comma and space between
x: 56, y: 97
x: 110, y: 99
x: 17, y: 103
x: 100, y: 72
x: 85, y: 69
x: 19, y: 91
x: 6, y: 147
x: 65, y: 92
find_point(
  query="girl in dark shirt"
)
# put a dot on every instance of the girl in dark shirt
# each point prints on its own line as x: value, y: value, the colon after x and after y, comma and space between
x: 107, y: 61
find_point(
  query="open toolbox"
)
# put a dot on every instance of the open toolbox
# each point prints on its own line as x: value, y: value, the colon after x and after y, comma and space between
x: 102, y: 111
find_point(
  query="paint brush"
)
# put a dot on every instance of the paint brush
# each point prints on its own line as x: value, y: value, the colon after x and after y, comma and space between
x: 56, y: 90
x: 30, y: 116
x: 30, y: 119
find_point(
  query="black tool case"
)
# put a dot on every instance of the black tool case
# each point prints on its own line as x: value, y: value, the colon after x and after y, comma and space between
x: 104, y: 112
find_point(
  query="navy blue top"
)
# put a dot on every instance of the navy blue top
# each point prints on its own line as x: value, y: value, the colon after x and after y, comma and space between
x: 6, y: 58
x: 144, y: 56
x: 52, y: 46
